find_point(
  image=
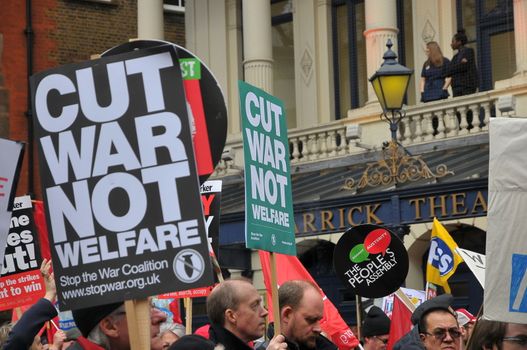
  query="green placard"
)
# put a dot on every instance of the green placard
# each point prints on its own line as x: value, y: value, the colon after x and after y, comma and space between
x: 269, y: 220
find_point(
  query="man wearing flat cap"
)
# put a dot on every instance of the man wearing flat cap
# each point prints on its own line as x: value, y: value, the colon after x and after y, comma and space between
x: 438, y: 326
x: 430, y: 320
x: 375, y: 329
x: 105, y: 326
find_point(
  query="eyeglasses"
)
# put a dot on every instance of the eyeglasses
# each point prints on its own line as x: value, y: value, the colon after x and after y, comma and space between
x: 383, y: 340
x: 521, y: 340
x: 440, y: 333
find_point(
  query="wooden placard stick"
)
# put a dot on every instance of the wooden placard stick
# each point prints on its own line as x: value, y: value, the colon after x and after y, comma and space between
x: 274, y: 295
x: 404, y: 298
x: 138, y: 318
x: 188, y: 315
x: 217, y: 268
x: 358, y: 310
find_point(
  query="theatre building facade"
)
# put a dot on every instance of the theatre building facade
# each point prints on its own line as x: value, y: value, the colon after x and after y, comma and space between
x: 317, y: 56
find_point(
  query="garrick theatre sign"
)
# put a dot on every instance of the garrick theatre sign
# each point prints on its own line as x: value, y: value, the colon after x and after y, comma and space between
x: 391, y: 208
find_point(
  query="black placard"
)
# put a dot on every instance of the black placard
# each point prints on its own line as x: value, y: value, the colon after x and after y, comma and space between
x: 206, y: 97
x: 119, y: 178
x: 371, y: 261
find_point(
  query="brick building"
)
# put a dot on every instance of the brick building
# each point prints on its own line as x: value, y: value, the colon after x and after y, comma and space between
x: 38, y: 35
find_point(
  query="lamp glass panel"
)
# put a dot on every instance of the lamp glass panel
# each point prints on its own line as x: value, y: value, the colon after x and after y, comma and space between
x: 394, y: 87
x: 376, y: 83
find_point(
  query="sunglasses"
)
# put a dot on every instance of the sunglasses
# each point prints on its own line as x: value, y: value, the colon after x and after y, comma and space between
x: 383, y: 340
x: 521, y: 340
x: 440, y: 333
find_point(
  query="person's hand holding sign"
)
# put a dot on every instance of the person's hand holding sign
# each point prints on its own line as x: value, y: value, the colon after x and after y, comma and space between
x: 49, y: 280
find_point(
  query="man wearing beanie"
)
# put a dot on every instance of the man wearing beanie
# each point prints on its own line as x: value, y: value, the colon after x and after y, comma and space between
x: 105, y: 327
x: 375, y: 329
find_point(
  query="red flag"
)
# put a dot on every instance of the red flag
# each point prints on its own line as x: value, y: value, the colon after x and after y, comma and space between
x: 40, y: 222
x: 292, y: 269
x: 401, y: 322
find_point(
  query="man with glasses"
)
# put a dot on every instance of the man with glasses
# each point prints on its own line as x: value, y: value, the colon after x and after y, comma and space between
x: 439, y: 329
x: 489, y: 335
x: 375, y: 329
x: 237, y: 315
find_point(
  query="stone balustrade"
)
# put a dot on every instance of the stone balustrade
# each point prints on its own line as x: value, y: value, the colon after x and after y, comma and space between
x: 429, y: 122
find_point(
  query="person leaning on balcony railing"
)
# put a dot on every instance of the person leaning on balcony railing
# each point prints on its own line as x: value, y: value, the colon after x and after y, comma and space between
x: 462, y: 69
x: 434, y: 83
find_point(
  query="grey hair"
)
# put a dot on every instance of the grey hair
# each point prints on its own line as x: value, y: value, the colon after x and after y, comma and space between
x: 98, y: 337
x: 176, y: 328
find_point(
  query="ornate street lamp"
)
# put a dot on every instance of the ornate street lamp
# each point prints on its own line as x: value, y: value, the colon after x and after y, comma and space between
x: 390, y: 83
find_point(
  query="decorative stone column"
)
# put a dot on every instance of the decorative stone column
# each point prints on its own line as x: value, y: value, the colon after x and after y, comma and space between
x: 257, y: 44
x: 520, y: 36
x: 150, y: 21
x: 381, y: 25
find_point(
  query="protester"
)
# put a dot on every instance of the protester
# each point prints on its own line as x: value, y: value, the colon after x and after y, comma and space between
x: 301, y: 309
x: 438, y: 327
x: 171, y: 332
x: 236, y: 313
x: 24, y: 334
x: 194, y: 342
x: 434, y: 83
x: 466, y: 323
x: 376, y: 329
x: 462, y: 69
x: 412, y: 340
x: 491, y: 335
x: 58, y: 340
x: 106, y: 327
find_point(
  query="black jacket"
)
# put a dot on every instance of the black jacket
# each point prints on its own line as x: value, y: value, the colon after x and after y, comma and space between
x: 464, y: 74
x: 322, y: 344
x: 27, y: 327
x: 410, y: 341
x: 219, y: 335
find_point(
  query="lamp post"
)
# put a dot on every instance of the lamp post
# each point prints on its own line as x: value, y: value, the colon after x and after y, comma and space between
x: 390, y: 83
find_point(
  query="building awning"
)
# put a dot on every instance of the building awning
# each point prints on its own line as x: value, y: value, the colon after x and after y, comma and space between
x: 320, y: 186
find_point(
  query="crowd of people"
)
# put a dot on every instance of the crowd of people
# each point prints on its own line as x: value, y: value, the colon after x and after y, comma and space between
x: 238, y: 320
x: 236, y: 312
x: 438, y: 72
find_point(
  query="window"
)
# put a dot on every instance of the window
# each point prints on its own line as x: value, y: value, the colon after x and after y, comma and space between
x: 349, y: 52
x: 174, y: 5
x: 489, y: 25
x: 284, y: 57
x: 349, y: 56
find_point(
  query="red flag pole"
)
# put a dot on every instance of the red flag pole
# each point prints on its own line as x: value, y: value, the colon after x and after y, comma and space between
x: 274, y: 295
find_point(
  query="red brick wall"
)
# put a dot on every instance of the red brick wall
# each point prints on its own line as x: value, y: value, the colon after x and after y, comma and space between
x: 65, y: 31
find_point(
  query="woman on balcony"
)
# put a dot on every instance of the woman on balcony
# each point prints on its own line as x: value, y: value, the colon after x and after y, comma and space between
x: 434, y: 82
x: 463, y: 69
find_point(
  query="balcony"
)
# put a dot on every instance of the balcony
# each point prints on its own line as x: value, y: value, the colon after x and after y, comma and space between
x: 327, y: 145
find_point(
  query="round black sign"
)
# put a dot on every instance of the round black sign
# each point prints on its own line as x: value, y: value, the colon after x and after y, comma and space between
x: 371, y: 261
x: 206, y: 103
